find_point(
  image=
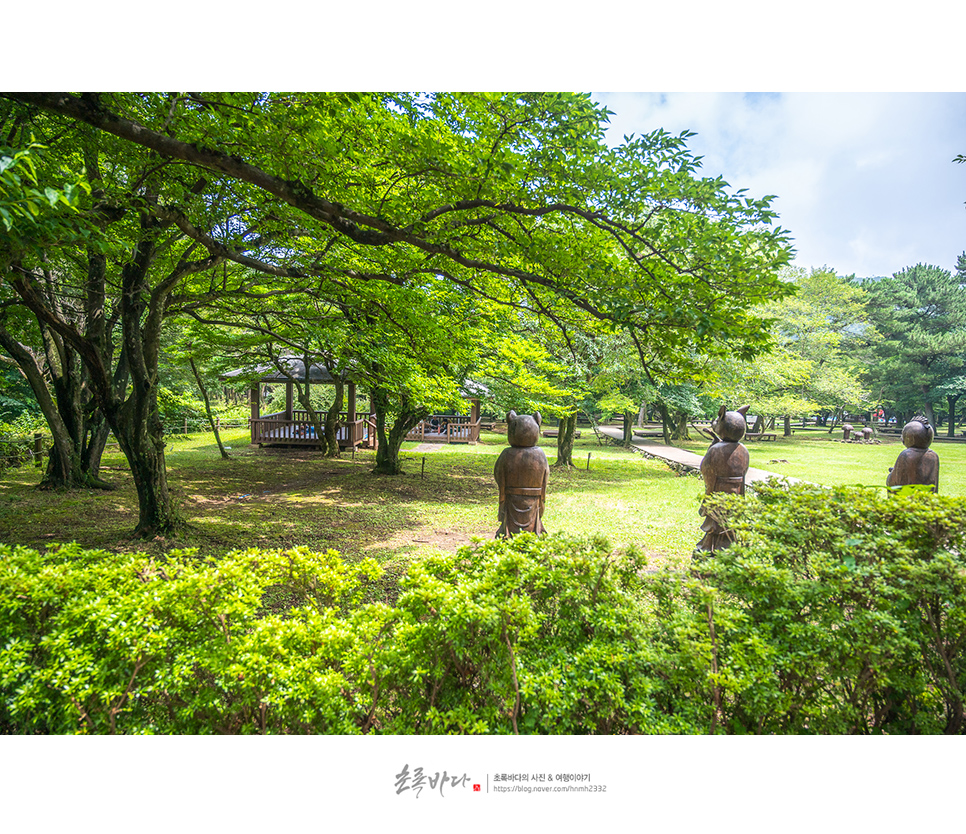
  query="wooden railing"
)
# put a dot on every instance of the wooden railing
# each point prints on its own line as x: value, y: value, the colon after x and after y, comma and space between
x: 299, y: 431
x: 440, y: 428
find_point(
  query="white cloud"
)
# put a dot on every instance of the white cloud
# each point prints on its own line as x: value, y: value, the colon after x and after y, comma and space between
x: 865, y: 182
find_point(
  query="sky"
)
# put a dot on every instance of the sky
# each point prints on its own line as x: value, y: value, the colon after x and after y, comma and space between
x: 864, y: 182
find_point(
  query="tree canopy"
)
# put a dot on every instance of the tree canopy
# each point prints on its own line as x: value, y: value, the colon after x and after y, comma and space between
x: 384, y: 209
x: 921, y: 313
x: 821, y: 352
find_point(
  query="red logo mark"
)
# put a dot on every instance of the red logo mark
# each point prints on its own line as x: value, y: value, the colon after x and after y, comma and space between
x: 476, y: 787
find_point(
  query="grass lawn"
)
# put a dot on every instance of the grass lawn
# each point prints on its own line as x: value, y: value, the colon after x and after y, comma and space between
x: 815, y: 456
x: 275, y: 498
x: 280, y: 498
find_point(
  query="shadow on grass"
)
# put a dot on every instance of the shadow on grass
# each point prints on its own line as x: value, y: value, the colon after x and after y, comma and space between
x: 272, y: 498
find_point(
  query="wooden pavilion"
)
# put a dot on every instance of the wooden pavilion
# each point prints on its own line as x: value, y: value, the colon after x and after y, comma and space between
x: 292, y: 427
x: 449, y: 428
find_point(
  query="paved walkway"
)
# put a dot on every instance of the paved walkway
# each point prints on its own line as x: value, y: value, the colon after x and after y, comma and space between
x: 683, y: 457
x: 428, y: 447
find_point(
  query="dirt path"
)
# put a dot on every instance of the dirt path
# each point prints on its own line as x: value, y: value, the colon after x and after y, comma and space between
x: 422, y: 448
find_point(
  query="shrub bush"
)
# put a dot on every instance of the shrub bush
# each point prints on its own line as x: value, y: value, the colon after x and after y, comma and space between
x: 176, y: 408
x: 535, y: 635
x: 95, y: 642
x: 17, y: 439
x: 837, y: 611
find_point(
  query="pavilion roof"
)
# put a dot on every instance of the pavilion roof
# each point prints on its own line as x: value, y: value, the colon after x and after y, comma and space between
x: 294, y: 366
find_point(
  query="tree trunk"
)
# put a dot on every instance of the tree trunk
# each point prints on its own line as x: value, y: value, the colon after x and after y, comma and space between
x: 930, y: 414
x: 211, y: 419
x: 143, y: 446
x: 136, y: 422
x: 565, y: 440
x: 68, y: 467
x: 63, y: 465
x: 94, y: 449
x: 387, y: 448
x: 680, y: 427
x: 951, y: 400
x: 835, y: 419
x: 664, y: 425
x: 788, y: 425
x: 332, y: 420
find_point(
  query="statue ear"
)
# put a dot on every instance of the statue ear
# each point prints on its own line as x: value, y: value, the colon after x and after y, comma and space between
x: 538, y: 418
x: 743, y: 411
x: 511, y: 416
x: 722, y: 411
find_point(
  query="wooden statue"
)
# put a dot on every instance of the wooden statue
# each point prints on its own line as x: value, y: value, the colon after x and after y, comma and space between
x: 917, y: 463
x: 723, y: 468
x: 521, y: 473
x: 846, y: 431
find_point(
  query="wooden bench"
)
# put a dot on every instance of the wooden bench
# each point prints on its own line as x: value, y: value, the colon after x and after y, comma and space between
x: 761, y: 436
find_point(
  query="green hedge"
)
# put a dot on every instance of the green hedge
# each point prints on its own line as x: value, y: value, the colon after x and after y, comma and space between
x: 842, y: 611
x: 837, y: 612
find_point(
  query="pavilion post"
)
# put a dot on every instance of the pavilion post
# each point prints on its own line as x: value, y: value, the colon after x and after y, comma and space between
x: 350, y: 414
x: 288, y: 399
x: 351, y: 403
x: 253, y: 399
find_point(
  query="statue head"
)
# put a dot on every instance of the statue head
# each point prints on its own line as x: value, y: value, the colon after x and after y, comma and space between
x: 730, y: 425
x: 523, y: 430
x: 917, y: 434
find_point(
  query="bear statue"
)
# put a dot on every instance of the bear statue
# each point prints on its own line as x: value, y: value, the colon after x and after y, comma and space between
x: 917, y: 463
x: 521, y: 473
x: 723, y: 468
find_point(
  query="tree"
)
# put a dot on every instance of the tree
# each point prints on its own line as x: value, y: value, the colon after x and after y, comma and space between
x: 650, y: 245
x: 520, y: 373
x: 189, y: 349
x: 99, y: 301
x: 952, y: 389
x: 921, y: 313
x: 513, y: 198
x: 40, y: 210
x: 617, y: 381
x: 414, y: 346
x: 258, y: 333
x: 822, y: 338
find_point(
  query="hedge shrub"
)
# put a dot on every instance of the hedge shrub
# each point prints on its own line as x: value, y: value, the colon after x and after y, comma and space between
x: 838, y: 611
x: 97, y: 642
x: 538, y: 635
